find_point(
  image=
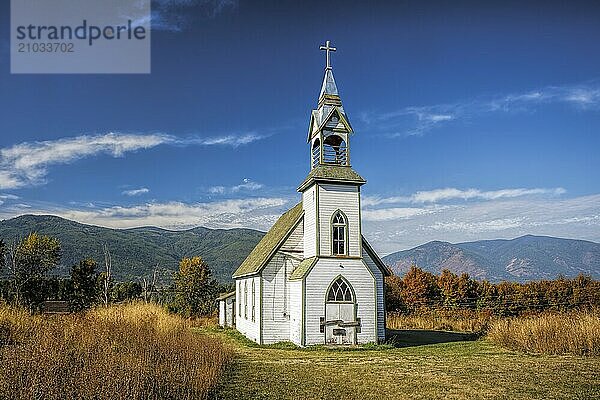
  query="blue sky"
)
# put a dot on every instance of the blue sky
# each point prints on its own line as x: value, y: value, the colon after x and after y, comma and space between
x: 473, y: 120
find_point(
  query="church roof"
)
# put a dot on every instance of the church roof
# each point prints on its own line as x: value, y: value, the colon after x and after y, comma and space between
x: 332, y: 173
x: 303, y: 268
x: 260, y: 256
x: 268, y: 245
x: 224, y: 296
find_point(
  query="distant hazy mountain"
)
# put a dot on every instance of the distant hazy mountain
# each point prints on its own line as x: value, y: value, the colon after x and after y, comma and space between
x: 521, y: 259
x: 137, y: 251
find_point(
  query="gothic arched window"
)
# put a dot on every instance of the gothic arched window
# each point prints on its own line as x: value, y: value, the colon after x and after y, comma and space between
x: 340, y: 291
x: 339, y: 231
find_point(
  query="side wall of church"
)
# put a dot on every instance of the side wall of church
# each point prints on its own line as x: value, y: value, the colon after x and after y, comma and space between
x: 379, y: 278
x: 277, y: 296
x: 248, y: 307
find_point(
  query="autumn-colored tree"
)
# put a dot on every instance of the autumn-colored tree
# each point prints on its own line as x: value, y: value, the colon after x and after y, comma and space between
x: 195, y: 289
x: 393, y: 294
x: 420, y: 288
x: 466, y: 291
x: 448, y: 284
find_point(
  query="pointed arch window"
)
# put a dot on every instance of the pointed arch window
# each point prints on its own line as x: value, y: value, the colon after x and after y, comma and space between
x: 340, y: 291
x: 339, y: 230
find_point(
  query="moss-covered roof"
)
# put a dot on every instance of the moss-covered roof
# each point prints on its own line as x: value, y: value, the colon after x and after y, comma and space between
x: 303, y: 268
x: 332, y: 173
x: 224, y: 296
x: 268, y: 245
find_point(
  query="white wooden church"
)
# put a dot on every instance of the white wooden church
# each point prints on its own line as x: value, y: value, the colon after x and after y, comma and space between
x: 313, y: 278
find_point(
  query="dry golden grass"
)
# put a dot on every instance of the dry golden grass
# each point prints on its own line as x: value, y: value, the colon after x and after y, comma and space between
x: 135, y: 351
x: 446, y: 320
x: 550, y: 333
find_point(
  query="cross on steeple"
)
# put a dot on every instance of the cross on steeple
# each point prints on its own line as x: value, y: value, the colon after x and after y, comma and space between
x: 327, y: 49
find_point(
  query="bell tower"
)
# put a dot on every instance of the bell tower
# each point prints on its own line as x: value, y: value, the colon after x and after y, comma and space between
x: 329, y: 129
x: 331, y: 191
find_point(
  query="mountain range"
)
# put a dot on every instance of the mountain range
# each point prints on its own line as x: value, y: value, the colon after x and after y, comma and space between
x: 136, y: 252
x: 521, y: 259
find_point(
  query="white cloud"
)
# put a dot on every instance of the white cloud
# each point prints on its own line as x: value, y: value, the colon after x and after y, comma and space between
x: 389, y: 214
x: 26, y: 164
x: 257, y: 213
x: 446, y: 194
x: 434, y: 196
x: 417, y: 120
x: 247, y: 185
x: 176, y: 15
x: 135, y: 192
x: 499, y: 217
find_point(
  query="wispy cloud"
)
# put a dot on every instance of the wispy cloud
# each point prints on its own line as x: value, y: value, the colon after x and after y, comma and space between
x: 417, y: 120
x: 392, y: 228
x: 26, y: 164
x: 446, y: 194
x: 135, y: 192
x: 247, y: 185
x: 178, y: 15
x: 257, y: 213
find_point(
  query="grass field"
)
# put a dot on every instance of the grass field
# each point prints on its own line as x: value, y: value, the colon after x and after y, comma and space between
x: 429, y: 366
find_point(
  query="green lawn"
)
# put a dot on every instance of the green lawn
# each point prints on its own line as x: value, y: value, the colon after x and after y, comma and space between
x: 451, y: 370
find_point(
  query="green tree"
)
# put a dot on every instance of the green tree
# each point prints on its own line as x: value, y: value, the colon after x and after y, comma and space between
x: 2, y: 254
x: 195, y: 289
x: 83, y: 282
x: 122, y: 291
x: 30, y: 260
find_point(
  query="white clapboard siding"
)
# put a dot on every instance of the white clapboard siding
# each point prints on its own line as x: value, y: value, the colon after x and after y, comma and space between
x: 296, y: 312
x: 222, y: 315
x: 344, y: 198
x: 276, y: 298
x: 244, y: 323
x: 317, y: 282
x: 295, y: 242
x: 310, y: 230
x: 380, y: 296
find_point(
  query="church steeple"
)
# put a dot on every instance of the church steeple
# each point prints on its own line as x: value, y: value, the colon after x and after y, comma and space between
x: 329, y: 128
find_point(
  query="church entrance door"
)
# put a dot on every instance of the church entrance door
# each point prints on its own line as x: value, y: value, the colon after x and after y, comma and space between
x: 340, y: 314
